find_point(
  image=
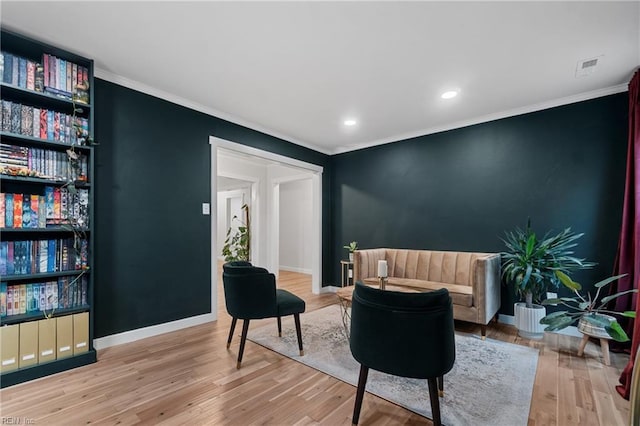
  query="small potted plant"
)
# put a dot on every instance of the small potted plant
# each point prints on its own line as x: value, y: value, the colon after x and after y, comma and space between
x: 530, y: 265
x: 352, y: 246
x: 591, y: 314
x: 237, y: 244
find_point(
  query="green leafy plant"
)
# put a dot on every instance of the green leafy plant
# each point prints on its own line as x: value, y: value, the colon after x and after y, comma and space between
x: 352, y: 246
x: 237, y: 244
x: 75, y: 178
x: 530, y: 264
x: 587, y: 308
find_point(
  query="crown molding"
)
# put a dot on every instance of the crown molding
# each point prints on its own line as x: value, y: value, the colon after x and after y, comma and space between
x: 491, y: 117
x: 144, y: 88
x: 149, y: 90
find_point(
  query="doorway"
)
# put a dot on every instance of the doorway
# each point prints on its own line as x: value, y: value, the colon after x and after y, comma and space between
x: 259, y: 175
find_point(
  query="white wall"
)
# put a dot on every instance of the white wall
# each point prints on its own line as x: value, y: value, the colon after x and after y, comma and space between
x: 296, y: 226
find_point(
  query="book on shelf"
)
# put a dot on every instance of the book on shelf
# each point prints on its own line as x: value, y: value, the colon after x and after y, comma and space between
x: 4, y: 254
x: 8, y: 209
x: 43, y: 123
x: 31, y: 75
x: 50, y: 134
x: 6, y: 116
x: 39, y: 79
x: 35, y: 209
x: 51, y: 256
x: 2, y: 212
x: 29, y: 296
x: 26, y: 119
x: 23, y: 298
x: 36, y: 122
x: 17, y: 210
x: 14, y: 71
x: 3, y: 299
x: 56, y: 203
x: 22, y: 72
x: 7, y: 70
x: 42, y: 212
x: 55, y: 76
x: 26, y: 211
x: 16, y: 112
x: 10, y: 258
x: 9, y: 298
x: 43, y: 256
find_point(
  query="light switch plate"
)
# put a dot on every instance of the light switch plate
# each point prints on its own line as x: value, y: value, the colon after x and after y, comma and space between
x: 206, y: 209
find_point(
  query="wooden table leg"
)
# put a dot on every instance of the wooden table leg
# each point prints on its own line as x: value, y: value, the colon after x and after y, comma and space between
x: 583, y: 343
x: 604, y: 345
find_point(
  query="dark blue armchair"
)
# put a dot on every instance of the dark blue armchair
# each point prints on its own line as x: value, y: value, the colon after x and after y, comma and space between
x: 250, y: 293
x: 404, y: 334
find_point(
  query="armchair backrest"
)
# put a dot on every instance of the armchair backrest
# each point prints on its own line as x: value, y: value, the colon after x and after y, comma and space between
x: 405, y: 334
x: 249, y: 291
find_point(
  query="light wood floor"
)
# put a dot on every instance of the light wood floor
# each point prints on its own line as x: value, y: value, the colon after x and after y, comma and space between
x: 189, y: 377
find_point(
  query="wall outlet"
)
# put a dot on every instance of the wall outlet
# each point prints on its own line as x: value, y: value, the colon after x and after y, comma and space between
x: 206, y: 209
x: 551, y: 295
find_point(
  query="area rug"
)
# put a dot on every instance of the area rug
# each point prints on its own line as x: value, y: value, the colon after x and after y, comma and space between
x: 490, y: 384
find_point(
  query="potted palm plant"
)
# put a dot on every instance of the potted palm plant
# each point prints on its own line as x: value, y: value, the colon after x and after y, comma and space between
x: 530, y: 265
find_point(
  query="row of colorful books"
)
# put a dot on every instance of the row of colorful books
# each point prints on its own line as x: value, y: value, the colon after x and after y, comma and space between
x: 63, y: 293
x: 43, y: 163
x: 52, y: 75
x: 42, y: 256
x: 58, y: 206
x: 44, y: 124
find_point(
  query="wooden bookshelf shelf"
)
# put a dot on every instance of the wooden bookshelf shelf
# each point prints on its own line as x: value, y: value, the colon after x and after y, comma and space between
x: 15, y: 319
x: 37, y: 142
x: 42, y: 276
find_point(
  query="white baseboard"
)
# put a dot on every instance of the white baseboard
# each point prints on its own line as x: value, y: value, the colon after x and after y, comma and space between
x: 296, y: 269
x: 506, y: 319
x: 329, y: 289
x: 154, y: 330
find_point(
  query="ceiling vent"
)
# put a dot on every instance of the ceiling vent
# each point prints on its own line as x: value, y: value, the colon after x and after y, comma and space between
x: 586, y: 67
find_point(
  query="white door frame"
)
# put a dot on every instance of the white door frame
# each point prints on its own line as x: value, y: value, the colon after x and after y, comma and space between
x: 316, y: 183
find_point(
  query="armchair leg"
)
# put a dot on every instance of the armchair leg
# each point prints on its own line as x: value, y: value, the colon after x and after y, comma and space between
x: 435, y: 402
x: 483, y: 331
x: 296, y: 317
x: 362, y: 383
x: 243, y: 339
x: 233, y: 327
x: 440, y: 386
x: 279, y: 327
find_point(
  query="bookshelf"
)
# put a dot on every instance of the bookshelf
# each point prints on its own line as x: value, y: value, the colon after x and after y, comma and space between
x: 46, y: 247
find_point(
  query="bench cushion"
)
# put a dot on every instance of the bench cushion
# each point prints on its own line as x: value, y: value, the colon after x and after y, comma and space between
x: 460, y: 294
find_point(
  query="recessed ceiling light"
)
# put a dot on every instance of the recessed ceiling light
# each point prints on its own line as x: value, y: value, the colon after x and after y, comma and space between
x: 350, y: 122
x: 450, y: 94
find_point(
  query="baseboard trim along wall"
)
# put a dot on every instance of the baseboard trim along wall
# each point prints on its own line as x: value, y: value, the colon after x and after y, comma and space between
x: 506, y: 319
x: 154, y: 330
x: 295, y: 269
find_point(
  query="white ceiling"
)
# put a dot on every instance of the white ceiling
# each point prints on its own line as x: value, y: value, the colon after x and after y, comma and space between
x: 298, y: 69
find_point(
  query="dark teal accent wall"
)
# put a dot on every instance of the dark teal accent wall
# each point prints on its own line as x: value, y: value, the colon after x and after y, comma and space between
x: 455, y: 190
x: 153, y: 169
x: 461, y: 189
